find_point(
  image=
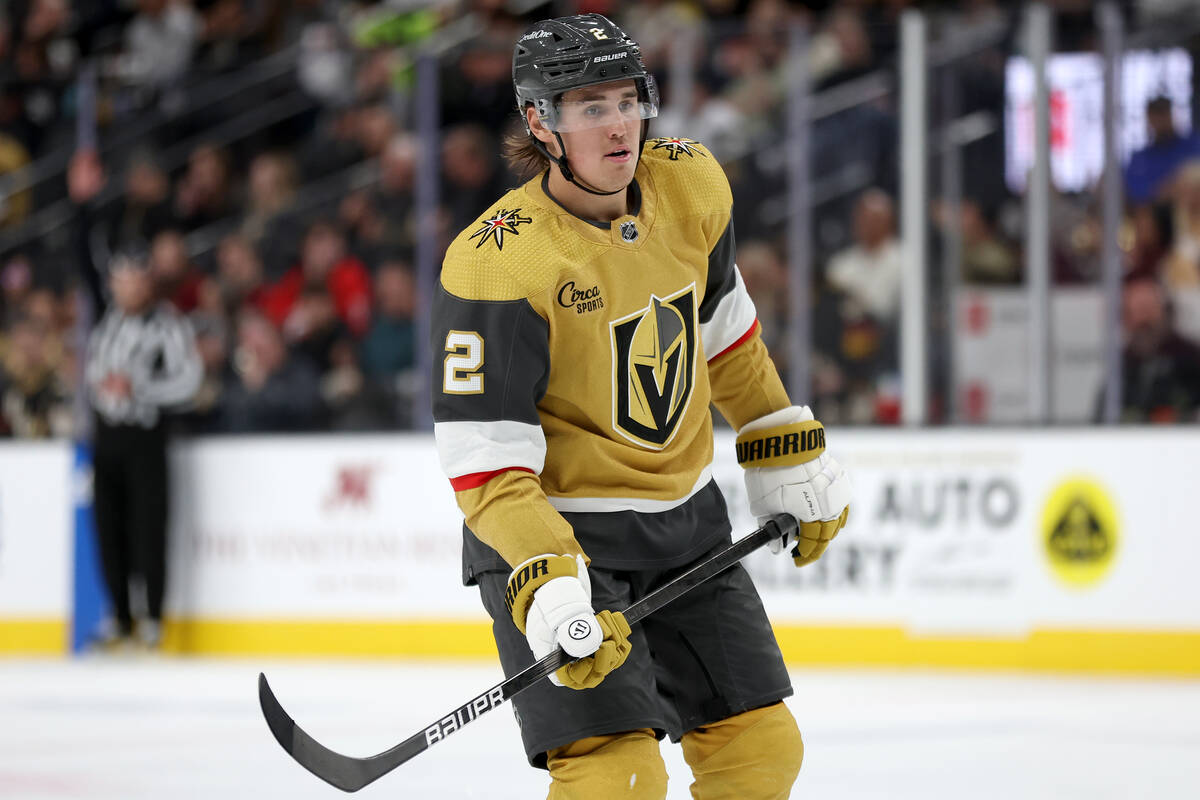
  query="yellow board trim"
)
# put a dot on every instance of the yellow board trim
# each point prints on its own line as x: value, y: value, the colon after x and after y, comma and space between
x: 33, y: 636
x: 1111, y: 651
x: 358, y: 638
x: 1048, y: 650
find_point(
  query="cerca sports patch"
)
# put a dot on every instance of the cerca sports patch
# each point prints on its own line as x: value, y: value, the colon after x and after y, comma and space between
x: 582, y: 298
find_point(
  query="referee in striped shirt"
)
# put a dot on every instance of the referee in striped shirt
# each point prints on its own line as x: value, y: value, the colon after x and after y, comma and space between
x: 142, y: 361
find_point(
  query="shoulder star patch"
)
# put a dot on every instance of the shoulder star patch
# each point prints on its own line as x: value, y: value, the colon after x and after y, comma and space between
x: 500, y: 223
x: 676, y: 147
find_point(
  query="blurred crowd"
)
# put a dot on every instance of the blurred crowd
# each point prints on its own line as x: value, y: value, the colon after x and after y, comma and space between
x: 264, y: 154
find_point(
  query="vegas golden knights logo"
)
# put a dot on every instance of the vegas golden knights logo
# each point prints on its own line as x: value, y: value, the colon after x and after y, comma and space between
x: 654, y: 364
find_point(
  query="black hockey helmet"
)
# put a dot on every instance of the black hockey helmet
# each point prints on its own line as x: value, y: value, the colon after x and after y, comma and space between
x: 555, y: 56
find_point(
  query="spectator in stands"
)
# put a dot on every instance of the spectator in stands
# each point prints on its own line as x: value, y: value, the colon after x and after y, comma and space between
x: 14, y: 207
x: 367, y: 231
x: 239, y: 279
x: 204, y: 194
x: 1076, y: 236
x: 270, y: 222
x: 230, y: 35
x: 43, y: 61
x: 325, y: 268
x: 375, y: 129
x: 16, y: 282
x: 1182, y: 266
x: 44, y: 20
x: 743, y: 70
x: 212, y: 343
x: 177, y: 280
x: 391, y: 202
x: 987, y: 259
x: 272, y: 391
x: 1148, y: 174
x: 282, y: 28
x: 144, y: 208
x: 659, y: 26
x: 872, y: 269
x: 478, y: 86
x: 856, y: 316
x: 376, y: 75
x: 33, y: 401
x: 1153, y: 236
x: 43, y: 308
x: 1160, y: 373
x: 710, y: 118
x: 841, y: 48
x: 325, y: 66
x: 472, y: 174
x: 159, y: 42
x: 312, y: 328
x: 855, y: 355
x: 388, y: 348
x: 14, y: 122
x: 355, y: 403
x: 335, y: 145
x: 766, y: 281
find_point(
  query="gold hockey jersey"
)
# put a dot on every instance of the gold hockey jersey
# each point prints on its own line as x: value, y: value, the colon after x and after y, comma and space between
x: 575, y: 361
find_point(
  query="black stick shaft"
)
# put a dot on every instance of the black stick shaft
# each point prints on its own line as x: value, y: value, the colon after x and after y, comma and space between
x: 351, y: 774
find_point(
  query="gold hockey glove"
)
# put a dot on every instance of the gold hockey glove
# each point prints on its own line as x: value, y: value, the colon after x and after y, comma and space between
x: 789, y: 472
x: 550, y: 599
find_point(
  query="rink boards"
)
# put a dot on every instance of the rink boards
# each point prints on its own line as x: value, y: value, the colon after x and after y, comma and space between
x: 1061, y: 550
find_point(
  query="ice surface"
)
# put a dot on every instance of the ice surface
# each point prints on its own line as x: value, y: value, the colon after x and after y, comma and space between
x: 130, y: 728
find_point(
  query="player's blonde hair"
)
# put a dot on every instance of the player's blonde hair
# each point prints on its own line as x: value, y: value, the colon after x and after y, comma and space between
x: 520, y: 153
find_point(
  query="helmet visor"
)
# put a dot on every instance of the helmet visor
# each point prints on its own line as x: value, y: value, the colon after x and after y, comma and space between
x: 581, y: 115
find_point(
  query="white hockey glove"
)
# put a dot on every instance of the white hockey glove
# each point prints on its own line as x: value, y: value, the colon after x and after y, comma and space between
x: 550, y: 598
x: 789, y: 472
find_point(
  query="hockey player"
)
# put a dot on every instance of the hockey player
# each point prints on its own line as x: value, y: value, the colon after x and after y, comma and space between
x: 581, y: 328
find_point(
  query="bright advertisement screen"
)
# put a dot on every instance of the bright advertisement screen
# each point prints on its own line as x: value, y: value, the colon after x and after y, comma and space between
x: 1076, y: 84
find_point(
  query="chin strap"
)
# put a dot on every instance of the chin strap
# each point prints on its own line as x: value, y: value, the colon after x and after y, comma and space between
x: 561, y: 161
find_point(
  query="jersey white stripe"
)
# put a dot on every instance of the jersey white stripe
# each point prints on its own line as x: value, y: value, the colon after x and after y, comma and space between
x: 640, y: 504
x: 734, y: 316
x: 468, y: 447
x: 131, y: 345
x: 182, y: 369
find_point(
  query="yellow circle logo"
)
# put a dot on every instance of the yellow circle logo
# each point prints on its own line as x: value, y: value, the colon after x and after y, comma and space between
x: 1080, y: 531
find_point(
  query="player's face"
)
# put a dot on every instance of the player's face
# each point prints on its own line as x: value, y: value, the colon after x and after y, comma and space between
x: 600, y: 126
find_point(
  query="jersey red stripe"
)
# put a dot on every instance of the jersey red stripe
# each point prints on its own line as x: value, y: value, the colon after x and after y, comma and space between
x: 741, y: 340
x: 474, y: 480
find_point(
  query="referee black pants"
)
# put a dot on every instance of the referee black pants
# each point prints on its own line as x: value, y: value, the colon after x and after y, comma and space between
x: 130, y: 500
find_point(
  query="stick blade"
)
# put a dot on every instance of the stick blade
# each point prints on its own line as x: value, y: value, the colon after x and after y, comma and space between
x: 282, y: 726
x: 343, y: 772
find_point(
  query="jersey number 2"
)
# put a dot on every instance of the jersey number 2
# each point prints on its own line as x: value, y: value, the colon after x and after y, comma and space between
x: 461, y: 373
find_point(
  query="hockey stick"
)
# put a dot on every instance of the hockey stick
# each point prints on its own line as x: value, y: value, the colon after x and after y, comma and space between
x: 351, y: 774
